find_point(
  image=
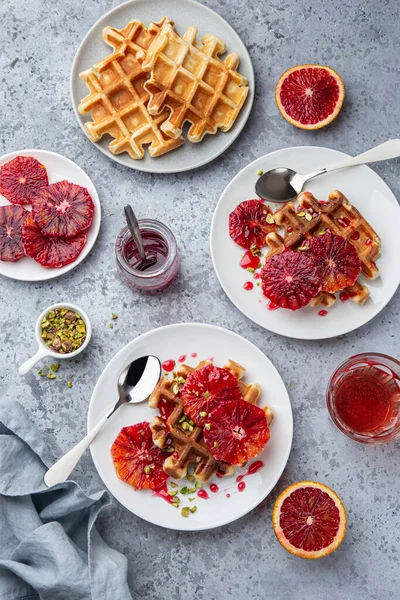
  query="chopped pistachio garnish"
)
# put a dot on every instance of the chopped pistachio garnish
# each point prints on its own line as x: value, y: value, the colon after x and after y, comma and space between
x: 207, y: 394
x: 51, y: 375
x: 191, y: 428
x: 55, y: 368
x: 111, y: 326
x: 183, y: 490
x: 191, y: 490
x: 69, y: 384
x: 308, y: 217
x: 114, y: 316
x: 171, y: 492
x: 270, y: 219
x: 185, y: 511
x: 301, y: 213
x: 190, y: 477
x: 191, y: 499
x: 185, y: 426
x: 40, y: 372
x: 215, y: 444
x: 175, y: 388
x: 147, y: 470
x: 208, y: 426
x: 203, y: 414
x: 251, y: 269
x: 198, y: 485
x: 182, y: 419
x: 63, y: 330
x: 259, y: 173
x: 193, y: 509
x: 173, y: 484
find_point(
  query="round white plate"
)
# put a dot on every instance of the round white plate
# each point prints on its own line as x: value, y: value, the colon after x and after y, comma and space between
x: 185, y: 13
x: 206, y: 341
x: 364, y: 189
x: 58, y: 168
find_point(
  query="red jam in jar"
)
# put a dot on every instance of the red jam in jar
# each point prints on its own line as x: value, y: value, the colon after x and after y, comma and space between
x: 160, y: 246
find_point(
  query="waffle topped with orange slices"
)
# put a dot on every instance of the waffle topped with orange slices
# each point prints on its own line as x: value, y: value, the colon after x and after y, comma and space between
x: 314, y: 218
x: 190, y: 405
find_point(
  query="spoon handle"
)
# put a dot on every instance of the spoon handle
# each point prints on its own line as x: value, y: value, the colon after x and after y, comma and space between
x: 385, y: 151
x: 134, y: 229
x: 61, y: 470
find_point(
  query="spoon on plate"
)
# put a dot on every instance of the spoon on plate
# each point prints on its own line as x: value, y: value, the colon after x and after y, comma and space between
x: 283, y: 184
x: 146, y: 260
x: 135, y: 384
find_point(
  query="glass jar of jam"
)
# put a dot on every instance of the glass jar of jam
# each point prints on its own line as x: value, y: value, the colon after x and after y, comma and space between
x: 161, y: 269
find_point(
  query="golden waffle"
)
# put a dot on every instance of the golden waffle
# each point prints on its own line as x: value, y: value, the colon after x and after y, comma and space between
x: 188, y: 447
x: 342, y: 219
x: 191, y: 80
x: 118, y: 99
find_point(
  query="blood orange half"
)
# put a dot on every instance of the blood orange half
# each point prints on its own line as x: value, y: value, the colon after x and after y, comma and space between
x: 310, y: 96
x: 309, y: 520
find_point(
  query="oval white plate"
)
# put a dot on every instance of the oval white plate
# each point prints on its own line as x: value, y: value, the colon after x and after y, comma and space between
x: 171, y: 342
x: 185, y: 13
x: 363, y: 188
x: 58, y: 168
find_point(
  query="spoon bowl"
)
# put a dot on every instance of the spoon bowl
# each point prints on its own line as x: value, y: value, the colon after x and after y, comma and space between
x: 276, y: 185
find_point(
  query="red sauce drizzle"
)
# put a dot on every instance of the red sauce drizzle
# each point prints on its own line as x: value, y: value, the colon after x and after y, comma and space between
x: 253, y: 468
x: 355, y: 235
x: 248, y: 285
x: 323, y: 313
x: 194, y: 354
x: 344, y: 296
x: 182, y: 358
x: 241, y: 486
x: 323, y: 202
x: 368, y: 242
x: 166, y: 407
x: 289, y: 229
x: 203, y: 494
x: 168, y: 365
x: 163, y: 493
x: 214, y: 488
x: 256, y: 275
x: 343, y: 222
x: 228, y: 495
x: 249, y: 260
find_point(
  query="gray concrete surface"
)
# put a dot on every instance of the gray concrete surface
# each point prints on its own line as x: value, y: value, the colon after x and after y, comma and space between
x: 241, y: 560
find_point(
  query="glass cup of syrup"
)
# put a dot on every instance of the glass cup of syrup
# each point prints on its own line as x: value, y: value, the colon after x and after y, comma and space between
x: 160, y: 271
x: 363, y: 398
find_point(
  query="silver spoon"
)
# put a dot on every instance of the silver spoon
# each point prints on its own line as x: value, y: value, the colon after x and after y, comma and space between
x: 282, y: 184
x: 135, y: 384
x: 133, y: 226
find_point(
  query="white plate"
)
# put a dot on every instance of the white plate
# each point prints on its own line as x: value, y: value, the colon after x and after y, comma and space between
x: 185, y: 13
x: 58, y: 168
x: 365, y: 189
x: 171, y: 342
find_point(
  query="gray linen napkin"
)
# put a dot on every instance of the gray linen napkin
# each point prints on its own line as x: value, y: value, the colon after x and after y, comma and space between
x: 49, y: 546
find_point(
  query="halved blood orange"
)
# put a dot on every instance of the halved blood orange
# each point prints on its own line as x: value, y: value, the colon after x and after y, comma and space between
x: 136, y: 458
x: 309, y: 520
x: 310, y: 96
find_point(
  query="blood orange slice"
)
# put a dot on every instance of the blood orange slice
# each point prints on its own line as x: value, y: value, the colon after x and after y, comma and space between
x: 309, y: 520
x: 21, y: 179
x: 290, y: 280
x: 236, y: 431
x: 63, y: 209
x: 336, y: 259
x: 137, y: 460
x: 310, y: 96
x: 11, y: 220
x: 50, y: 252
x: 205, y: 389
x: 250, y: 223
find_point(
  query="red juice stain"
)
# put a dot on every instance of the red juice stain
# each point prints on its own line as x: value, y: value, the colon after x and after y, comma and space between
x: 248, y: 285
x: 323, y: 313
x: 368, y: 242
x: 364, y: 398
x: 355, y: 235
x: 203, y: 494
x: 214, y: 488
x: 194, y: 354
x: 255, y: 466
x: 256, y: 275
x: 163, y: 493
x: 343, y: 221
x: 182, y: 358
x: 228, y: 495
x: 272, y: 306
x: 289, y: 229
x: 249, y: 260
x: 168, y: 365
x: 239, y: 477
x: 241, y: 486
x: 344, y: 296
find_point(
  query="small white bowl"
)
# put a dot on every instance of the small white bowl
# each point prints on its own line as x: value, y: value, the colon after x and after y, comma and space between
x: 44, y: 350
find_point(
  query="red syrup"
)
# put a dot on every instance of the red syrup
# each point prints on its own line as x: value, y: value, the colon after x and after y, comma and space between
x: 256, y: 275
x: 323, y: 313
x: 368, y: 242
x: 248, y: 285
x: 182, y: 358
x: 253, y: 468
x: 241, y: 486
x: 323, y: 202
x: 272, y: 306
x: 154, y: 246
x: 355, y: 235
x: 194, y: 354
x: 166, y: 408
x: 364, y: 398
x: 214, y: 488
x: 249, y: 260
x: 344, y: 296
x: 228, y: 495
x: 163, y: 493
x: 203, y: 494
x: 168, y: 365
x: 343, y: 221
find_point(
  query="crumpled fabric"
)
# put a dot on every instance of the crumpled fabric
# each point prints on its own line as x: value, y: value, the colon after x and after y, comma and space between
x: 49, y: 546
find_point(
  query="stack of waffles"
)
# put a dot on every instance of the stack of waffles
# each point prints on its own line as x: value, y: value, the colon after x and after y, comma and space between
x: 154, y: 82
x: 187, y: 444
x: 312, y: 218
